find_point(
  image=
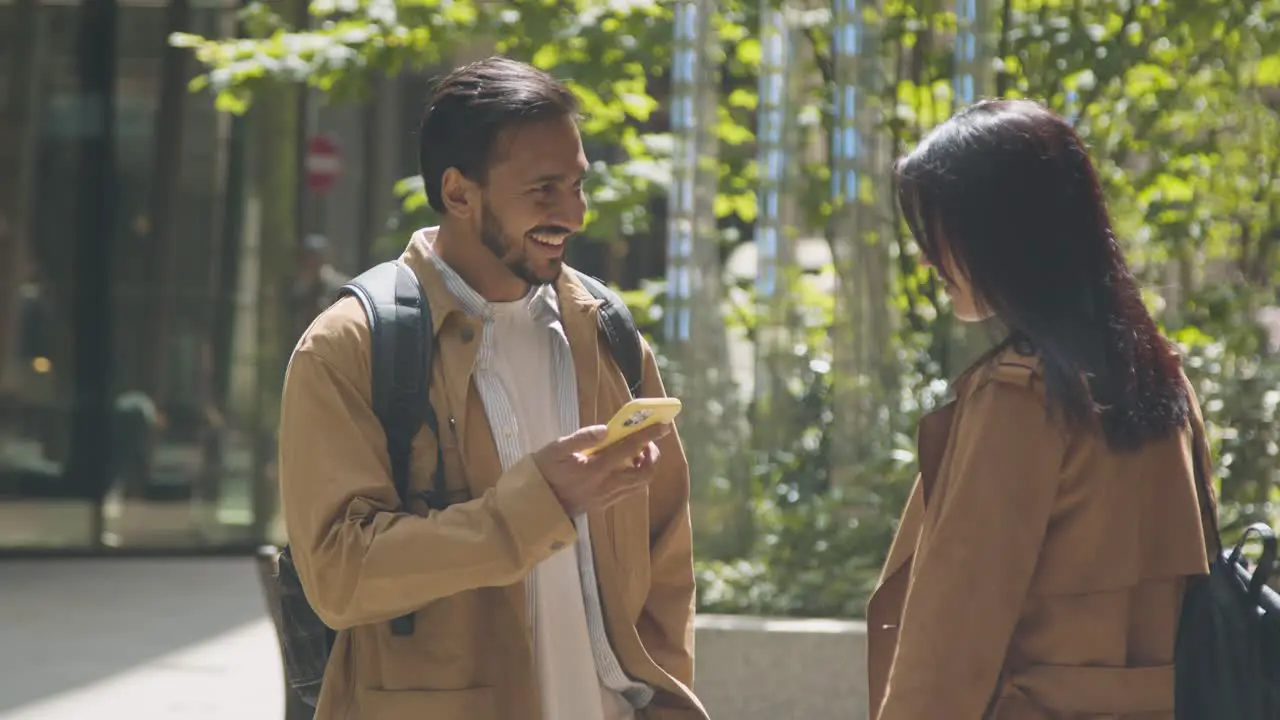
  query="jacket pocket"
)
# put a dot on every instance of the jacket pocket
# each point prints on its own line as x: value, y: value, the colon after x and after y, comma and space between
x: 479, y: 703
x: 449, y: 647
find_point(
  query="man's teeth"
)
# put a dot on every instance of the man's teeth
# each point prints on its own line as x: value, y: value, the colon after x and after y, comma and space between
x: 548, y: 239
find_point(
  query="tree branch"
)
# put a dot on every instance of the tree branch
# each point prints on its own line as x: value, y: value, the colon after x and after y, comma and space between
x: 1096, y: 91
x: 825, y: 63
x: 1002, y: 47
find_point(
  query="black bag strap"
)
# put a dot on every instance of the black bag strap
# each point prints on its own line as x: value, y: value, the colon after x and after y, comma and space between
x: 1256, y: 579
x: 401, y: 351
x: 1202, y: 466
x: 620, y: 331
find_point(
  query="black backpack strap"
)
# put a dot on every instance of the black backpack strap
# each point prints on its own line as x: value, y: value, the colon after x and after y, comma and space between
x: 1202, y: 467
x: 401, y: 345
x: 619, y: 328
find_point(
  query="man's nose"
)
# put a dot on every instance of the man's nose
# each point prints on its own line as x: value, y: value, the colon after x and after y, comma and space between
x: 572, y: 213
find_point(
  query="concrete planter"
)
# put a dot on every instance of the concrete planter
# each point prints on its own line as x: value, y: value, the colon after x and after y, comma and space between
x: 751, y: 668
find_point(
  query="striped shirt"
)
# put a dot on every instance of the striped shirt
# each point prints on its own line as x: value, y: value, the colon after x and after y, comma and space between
x: 542, y: 303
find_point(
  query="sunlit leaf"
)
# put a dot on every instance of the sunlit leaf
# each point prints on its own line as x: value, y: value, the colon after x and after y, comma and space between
x: 1268, y: 72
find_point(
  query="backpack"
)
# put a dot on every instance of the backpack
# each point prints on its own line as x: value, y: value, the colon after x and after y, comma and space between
x: 401, y: 353
x: 1227, y: 655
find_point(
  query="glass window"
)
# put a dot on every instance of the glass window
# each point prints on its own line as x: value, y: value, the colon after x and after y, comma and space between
x: 41, y: 502
x: 183, y: 474
x: 117, y: 274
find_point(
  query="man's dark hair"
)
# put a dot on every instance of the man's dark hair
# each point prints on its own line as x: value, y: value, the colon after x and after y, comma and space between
x: 472, y: 106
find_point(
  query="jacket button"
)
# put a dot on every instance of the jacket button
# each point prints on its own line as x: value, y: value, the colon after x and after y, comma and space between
x: 467, y: 334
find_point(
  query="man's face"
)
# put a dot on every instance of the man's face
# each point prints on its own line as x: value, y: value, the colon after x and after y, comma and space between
x: 533, y: 200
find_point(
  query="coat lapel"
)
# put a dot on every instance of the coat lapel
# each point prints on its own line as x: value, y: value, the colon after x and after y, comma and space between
x: 904, y: 540
x: 931, y: 444
x: 579, y: 313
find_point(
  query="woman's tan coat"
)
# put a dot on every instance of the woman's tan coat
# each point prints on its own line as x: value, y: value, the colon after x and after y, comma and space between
x: 1035, y: 574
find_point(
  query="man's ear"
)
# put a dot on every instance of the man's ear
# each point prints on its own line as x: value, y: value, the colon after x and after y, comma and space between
x: 460, y: 194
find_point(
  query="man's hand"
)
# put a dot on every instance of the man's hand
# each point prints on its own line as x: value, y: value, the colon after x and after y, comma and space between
x: 586, y: 483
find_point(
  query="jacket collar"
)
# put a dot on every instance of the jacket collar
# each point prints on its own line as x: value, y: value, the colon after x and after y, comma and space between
x: 933, y: 435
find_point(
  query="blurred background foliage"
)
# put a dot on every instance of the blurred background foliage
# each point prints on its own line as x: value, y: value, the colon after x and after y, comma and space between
x: 1178, y: 100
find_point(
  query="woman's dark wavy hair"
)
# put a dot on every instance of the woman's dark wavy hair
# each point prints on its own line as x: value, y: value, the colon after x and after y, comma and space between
x: 1006, y: 188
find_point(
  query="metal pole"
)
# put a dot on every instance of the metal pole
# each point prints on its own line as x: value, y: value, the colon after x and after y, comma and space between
x: 91, y: 449
x: 972, y: 81
x: 859, y: 179
x: 693, y: 325
x: 685, y: 65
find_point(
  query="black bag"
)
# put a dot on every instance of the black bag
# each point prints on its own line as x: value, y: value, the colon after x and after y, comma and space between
x: 401, y: 353
x: 1227, y: 657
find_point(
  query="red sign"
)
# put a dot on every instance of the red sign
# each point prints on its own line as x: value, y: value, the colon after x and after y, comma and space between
x: 323, y: 163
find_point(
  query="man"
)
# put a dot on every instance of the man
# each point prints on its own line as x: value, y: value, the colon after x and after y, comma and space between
x: 556, y: 586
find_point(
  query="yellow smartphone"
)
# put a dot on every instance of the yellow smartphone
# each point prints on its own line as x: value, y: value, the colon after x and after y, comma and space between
x: 636, y: 416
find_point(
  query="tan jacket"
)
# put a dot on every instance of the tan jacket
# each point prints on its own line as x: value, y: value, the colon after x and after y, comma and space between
x: 1035, y: 574
x: 364, y: 559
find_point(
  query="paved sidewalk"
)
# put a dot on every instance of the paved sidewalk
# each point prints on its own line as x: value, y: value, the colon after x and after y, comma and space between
x: 189, y: 640
x: 137, y: 640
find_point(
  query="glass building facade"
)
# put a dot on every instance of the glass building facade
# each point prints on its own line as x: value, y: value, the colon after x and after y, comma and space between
x: 136, y: 409
x: 118, y: 269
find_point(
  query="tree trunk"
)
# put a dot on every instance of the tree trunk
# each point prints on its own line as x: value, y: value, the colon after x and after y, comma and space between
x: 274, y: 158
x: 859, y: 235
x: 777, y: 227
x: 694, y: 332
x: 371, y: 197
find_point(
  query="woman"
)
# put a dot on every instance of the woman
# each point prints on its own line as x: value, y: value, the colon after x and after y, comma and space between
x: 1039, y: 567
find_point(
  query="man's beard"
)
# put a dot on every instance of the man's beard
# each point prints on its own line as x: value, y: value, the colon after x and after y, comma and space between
x: 511, y: 253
